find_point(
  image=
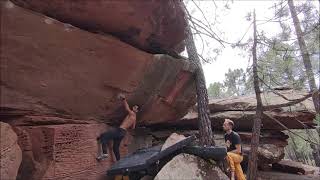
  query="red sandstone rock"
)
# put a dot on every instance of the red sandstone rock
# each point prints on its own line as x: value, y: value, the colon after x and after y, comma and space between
x: 171, y: 140
x: 62, y: 151
x: 289, y: 166
x: 151, y: 25
x: 187, y: 166
x: 271, y: 148
x: 242, y: 111
x: 54, y: 69
x: 272, y: 175
x: 10, y: 152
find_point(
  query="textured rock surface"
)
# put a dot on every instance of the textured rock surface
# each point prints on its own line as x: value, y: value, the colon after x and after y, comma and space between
x: 172, y: 139
x: 52, y: 68
x: 139, y: 139
x: 151, y: 25
x: 271, y: 175
x: 62, y: 151
x: 10, y: 152
x: 185, y: 166
x: 267, y: 153
x: 242, y: 111
x: 269, y: 98
x: 271, y: 149
x: 293, y: 167
x: 59, y: 82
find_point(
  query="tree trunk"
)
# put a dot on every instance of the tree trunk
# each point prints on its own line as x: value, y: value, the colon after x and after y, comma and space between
x: 305, y: 54
x: 309, y: 71
x: 252, y: 164
x: 205, y: 129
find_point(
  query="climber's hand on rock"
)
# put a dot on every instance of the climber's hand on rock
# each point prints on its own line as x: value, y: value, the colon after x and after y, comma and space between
x: 121, y: 96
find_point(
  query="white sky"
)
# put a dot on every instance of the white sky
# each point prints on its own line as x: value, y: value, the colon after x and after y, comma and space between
x: 233, y: 24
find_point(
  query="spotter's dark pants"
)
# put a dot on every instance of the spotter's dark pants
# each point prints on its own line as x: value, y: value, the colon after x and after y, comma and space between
x: 115, y: 134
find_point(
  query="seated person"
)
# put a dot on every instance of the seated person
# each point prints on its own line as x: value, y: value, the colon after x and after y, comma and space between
x: 234, y: 155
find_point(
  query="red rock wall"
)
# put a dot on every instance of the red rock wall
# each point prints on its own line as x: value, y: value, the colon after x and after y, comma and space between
x: 59, y: 83
x: 155, y: 26
x: 65, y: 151
x: 55, y: 69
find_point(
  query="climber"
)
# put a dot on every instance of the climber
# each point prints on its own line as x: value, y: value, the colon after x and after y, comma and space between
x: 117, y: 134
x: 234, y: 155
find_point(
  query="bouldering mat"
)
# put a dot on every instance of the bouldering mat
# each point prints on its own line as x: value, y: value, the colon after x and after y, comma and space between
x: 143, y: 159
x: 210, y: 152
x: 170, y: 150
x: 134, y: 162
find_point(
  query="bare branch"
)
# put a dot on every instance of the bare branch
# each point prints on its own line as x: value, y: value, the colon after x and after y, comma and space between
x: 202, y: 14
x: 206, y: 28
x: 291, y: 103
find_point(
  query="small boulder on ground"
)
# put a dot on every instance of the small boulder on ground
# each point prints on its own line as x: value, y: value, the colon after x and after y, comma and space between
x: 186, y: 166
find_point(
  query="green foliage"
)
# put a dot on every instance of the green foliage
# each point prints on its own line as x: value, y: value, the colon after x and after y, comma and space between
x: 279, y: 58
x: 284, y: 51
x: 299, y: 149
x: 279, y: 67
x: 317, y: 119
x: 236, y: 83
x: 215, y: 90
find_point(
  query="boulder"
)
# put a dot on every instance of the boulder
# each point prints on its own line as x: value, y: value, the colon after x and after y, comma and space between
x: 185, y: 166
x: 267, y: 153
x: 277, y: 138
x: 66, y: 151
x: 289, y: 166
x: 270, y: 98
x: 272, y: 175
x: 10, y: 152
x: 271, y: 148
x: 311, y: 170
x: 172, y: 139
x: 242, y: 111
x: 154, y: 26
x: 55, y: 69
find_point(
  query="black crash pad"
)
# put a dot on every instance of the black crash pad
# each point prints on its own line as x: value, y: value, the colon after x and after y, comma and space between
x: 134, y: 162
x: 143, y: 159
x: 209, y: 152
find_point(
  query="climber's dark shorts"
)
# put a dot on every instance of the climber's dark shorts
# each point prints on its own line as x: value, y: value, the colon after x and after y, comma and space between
x: 114, y: 134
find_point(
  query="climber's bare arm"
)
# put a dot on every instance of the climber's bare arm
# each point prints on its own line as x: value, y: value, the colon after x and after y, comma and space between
x: 238, y: 150
x: 126, y: 105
